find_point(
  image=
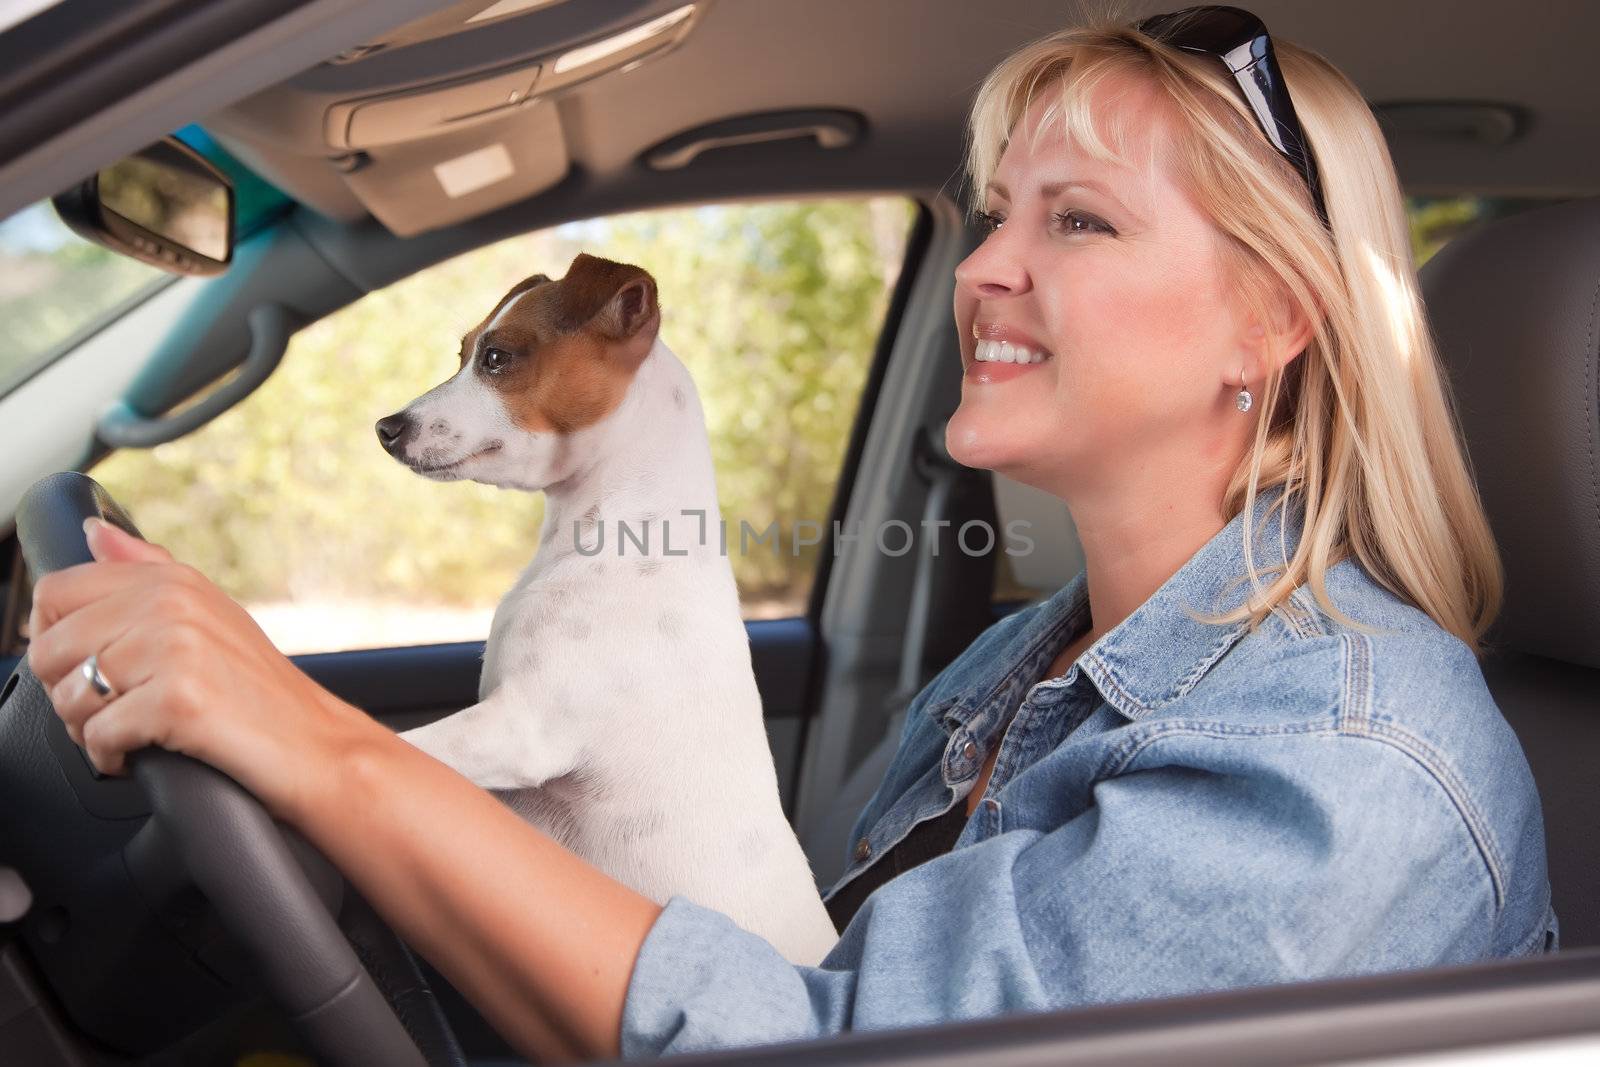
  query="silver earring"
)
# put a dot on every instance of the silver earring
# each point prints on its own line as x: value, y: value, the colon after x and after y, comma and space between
x: 1244, y: 400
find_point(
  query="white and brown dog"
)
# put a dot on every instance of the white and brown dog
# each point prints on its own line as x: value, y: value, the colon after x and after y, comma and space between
x: 617, y: 709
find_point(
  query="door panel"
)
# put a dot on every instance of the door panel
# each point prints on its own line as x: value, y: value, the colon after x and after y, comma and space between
x: 407, y: 687
x: 1504, y: 1010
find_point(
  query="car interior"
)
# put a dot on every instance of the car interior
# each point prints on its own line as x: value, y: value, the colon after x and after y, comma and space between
x: 403, y: 134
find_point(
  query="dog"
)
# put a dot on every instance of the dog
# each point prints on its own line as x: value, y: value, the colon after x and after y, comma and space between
x: 617, y: 709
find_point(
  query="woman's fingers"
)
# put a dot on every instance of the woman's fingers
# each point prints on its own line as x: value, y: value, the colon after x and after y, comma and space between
x: 74, y: 702
x: 55, y: 655
x: 107, y: 541
x: 126, y: 663
x: 130, y: 722
x: 153, y: 699
x: 120, y: 561
x: 191, y: 672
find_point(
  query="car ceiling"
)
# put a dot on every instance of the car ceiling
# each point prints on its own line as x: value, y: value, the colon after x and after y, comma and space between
x: 1519, y: 116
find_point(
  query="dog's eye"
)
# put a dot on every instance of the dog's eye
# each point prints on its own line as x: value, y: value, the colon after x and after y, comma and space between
x: 495, y: 358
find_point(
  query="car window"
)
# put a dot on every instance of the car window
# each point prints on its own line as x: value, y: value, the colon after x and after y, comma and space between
x: 289, y: 503
x: 1435, y: 220
x: 57, y: 289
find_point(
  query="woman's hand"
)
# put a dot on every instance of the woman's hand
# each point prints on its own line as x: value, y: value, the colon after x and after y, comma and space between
x: 189, y: 668
x: 540, y: 941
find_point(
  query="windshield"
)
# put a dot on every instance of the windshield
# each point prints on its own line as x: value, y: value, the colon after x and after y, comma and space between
x: 56, y: 289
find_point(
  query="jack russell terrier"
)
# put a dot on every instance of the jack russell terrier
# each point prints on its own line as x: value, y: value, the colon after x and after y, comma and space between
x: 617, y: 710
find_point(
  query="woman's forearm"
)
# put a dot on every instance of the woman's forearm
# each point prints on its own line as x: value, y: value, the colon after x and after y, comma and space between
x: 542, y: 943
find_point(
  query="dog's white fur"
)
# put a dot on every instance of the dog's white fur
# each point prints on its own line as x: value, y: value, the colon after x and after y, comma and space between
x: 618, y: 711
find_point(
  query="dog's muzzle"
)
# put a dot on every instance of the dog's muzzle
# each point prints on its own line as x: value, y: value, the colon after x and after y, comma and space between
x: 395, y: 432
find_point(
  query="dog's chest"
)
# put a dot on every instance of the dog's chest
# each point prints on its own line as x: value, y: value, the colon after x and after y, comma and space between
x: 512, y: 628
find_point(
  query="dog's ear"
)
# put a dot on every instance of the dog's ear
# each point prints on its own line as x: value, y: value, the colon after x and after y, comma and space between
x: 616, y: 300
x: 631, y: 308
x: 530, y: 282
x: 533, y: 281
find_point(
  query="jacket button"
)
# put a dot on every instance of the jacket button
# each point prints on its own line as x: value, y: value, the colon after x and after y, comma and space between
x: 863, y: 850
x: 969, y: 751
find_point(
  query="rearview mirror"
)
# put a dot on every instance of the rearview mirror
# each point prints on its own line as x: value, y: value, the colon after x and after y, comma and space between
x: 166, y: 205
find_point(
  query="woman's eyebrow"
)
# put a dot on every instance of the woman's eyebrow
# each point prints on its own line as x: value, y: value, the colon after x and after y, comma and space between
x: 1050, y: 189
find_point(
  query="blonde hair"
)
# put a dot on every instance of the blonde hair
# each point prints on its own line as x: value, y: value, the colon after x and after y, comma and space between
x: 1359, y: 430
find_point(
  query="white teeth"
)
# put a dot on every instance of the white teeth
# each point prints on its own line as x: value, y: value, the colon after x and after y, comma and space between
x: 1006, y: 352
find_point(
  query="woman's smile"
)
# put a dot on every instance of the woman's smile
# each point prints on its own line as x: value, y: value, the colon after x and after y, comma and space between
x: 991, y: 370
x: 1003, y: 352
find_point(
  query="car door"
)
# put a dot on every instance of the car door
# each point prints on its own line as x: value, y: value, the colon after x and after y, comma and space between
x: 1521, y: 1011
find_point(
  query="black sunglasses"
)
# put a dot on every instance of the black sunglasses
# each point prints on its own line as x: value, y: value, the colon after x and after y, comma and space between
x: 1239, y: 39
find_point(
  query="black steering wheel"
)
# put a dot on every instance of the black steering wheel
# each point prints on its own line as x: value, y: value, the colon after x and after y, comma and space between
x: 348, y: 984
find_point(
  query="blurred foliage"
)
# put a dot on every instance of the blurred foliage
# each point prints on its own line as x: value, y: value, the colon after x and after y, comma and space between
x: 1435, y: 220
x: 54, y: 284
x: 774, y: 308
x: 170, y: 201
x: 56, y: 287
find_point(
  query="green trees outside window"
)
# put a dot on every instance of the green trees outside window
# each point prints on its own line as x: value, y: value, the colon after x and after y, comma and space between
x: 289, y: 503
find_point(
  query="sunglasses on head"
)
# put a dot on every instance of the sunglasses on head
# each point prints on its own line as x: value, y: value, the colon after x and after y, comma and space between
x: 1239, y: 39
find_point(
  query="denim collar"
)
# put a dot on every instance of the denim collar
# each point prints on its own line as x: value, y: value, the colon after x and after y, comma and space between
x: 1161, y: 651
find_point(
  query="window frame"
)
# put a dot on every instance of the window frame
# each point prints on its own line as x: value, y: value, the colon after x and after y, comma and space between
x: 917, y: 236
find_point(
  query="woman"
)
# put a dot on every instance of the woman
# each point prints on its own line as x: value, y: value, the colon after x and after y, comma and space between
x: 1250, y: 744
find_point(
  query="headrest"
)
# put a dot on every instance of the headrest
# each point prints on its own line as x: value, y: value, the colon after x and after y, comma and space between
x: 1515, y: 307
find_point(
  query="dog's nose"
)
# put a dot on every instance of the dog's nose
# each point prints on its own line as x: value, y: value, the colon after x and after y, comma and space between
x: 394, y: 431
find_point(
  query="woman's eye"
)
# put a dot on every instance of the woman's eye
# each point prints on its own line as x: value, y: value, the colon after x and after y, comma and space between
x: 1066, y: 221
x: 495, y: 358
x: 1077, y: 222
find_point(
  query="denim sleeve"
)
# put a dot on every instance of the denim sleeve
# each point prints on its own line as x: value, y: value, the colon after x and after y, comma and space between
x: 1205, y: 862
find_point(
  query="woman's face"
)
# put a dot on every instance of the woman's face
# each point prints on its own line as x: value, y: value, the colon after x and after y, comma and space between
x: 1111, y: 272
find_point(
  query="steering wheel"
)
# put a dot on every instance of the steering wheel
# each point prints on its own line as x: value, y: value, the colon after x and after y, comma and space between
x: 354, y: 993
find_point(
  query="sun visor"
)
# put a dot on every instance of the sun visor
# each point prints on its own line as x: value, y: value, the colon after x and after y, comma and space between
x: 416, y: 186
x: 455, y: 115
x: 429, y: 111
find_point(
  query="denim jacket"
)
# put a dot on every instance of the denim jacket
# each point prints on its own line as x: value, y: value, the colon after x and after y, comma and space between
x: 1190, y: 807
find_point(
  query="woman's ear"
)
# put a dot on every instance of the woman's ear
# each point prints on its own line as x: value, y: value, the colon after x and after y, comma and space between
x: 1289, y: 330
x: 1273, y: 336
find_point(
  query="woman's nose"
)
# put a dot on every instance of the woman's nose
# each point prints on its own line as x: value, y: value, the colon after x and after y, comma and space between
x: 994, y: 269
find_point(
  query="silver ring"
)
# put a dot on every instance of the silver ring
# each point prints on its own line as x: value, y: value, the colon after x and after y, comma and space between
x: 92, y: 674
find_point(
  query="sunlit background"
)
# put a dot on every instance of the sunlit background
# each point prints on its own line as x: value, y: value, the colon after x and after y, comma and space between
x: 290, y: 505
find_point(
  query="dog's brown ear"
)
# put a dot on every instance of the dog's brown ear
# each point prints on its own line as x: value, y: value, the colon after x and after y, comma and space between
x: 530, y: 282
x: 615, y: 300
x: 630, y: 309
x: 533, y: 281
